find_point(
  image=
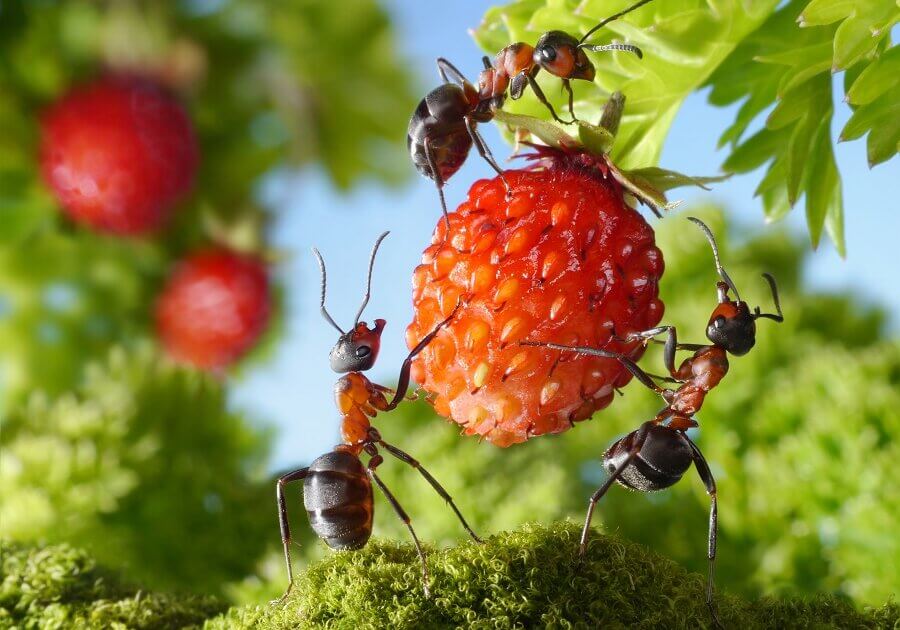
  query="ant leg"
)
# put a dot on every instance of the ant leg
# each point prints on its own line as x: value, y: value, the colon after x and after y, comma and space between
x: 671, y: 344
x: 568, y: 87
x: 408, y: 459
x: 403, y: 379
x: 543, y: 99
x: 640, y: 436
x: 444, y: 66
x: 285, y: 525
x: 438, y: 181
x: 774, y: 288
x: 403, y: 517
x: 484, y: 151
x: 710, y: 483
x: 627, y: 363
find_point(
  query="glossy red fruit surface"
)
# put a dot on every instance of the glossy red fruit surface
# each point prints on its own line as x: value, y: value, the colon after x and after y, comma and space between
x: 213, y: 308
x: 565, y: 260
x: 118, y: 154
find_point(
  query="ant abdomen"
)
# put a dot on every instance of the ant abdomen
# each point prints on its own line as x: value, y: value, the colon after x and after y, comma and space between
x: 661, y: 462
x: 337, y: 495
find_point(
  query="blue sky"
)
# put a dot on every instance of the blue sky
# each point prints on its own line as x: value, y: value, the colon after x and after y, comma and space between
x: 293, y: 390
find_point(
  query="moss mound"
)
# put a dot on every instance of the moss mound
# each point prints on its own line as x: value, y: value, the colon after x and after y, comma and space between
x: 61, y: 587
x: 528, y: 578
x: 525, y: 578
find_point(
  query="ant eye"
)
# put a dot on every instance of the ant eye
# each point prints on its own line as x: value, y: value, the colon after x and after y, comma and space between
x: 362, y: 352
x: 548, y: 53
x: 719, y: 322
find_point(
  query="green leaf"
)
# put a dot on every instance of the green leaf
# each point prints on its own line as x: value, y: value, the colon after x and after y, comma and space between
x: 822, y: 12
x: 860, y: 34
x: 597, y: 139
x: 877, y: 78
x: 686, y: 43
x: 547, y: 132
x: 822, y: 183
x: 753, y: 152
x: 882, y: 115
x: 663, y: 179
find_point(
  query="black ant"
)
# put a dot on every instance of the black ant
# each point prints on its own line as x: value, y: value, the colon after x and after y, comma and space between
x: 337, y: 487
x: 444, y: 125
x: 656, y: 455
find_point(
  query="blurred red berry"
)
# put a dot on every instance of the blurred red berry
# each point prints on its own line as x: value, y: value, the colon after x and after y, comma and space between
x: 213, y: 308
x: 118, y: 153
x: 566, y: 260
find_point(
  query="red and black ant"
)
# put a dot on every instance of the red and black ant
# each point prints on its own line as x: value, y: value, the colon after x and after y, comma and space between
x: 444, y: 125
x: 337, y: 487
x: 656, y: 455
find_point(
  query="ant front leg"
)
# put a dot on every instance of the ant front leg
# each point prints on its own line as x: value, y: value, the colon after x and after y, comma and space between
x: 444, y: 66
x: 671, y: 346
x: 374, y: 462
x: 627, y: 363
x: 285, y: 525
x: 408, y: 459
x: 639, y: 437
x: 567, y: 85
x: 710, y: 483
x: 542, y: 98
x: 403, y: 379
x: 484, y: 151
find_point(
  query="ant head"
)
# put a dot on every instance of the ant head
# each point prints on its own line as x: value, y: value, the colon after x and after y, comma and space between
x: 559, y: 54
x: 732, y: 326
x: 357, y: 349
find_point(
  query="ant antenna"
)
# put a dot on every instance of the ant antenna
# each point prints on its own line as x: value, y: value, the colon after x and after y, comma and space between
x: 368, y: 282
x: 774, y: 288
x: 322, y: 308
x: 604, y: 47
x: 603, y: 23
x: 715, y: 249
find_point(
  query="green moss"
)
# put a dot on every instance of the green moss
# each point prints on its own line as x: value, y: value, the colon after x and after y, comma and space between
x: 62, y: 587
x: 528, y: 578
x: 525, y: 578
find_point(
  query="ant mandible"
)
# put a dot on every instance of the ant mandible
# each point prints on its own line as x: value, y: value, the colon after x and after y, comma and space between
x: 337, y: 487
x: 657, y: 455
x: 444, y: 126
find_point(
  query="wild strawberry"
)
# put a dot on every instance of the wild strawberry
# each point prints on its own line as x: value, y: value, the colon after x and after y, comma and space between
x: 118, y: 153
x: 213, y: 308
x: 564, y: 259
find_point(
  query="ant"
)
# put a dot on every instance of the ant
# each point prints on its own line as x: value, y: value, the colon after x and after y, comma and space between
x: 657, y: 455
x: 443, y: 127
x: 556, y: 52
x: 337, y: 487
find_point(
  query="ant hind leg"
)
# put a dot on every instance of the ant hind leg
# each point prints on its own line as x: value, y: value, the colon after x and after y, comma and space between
x: 401, y: 513
x: 710, y: 483
x: 285, y: 526
x: 408, y: 459
x: 439, y: 182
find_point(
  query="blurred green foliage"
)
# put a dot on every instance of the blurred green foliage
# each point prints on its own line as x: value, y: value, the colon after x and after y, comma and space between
x: 762, y: 54
x: 267, y: 84
x: 62, y: 587
x: 145, y: 466
x: 801, y: 436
